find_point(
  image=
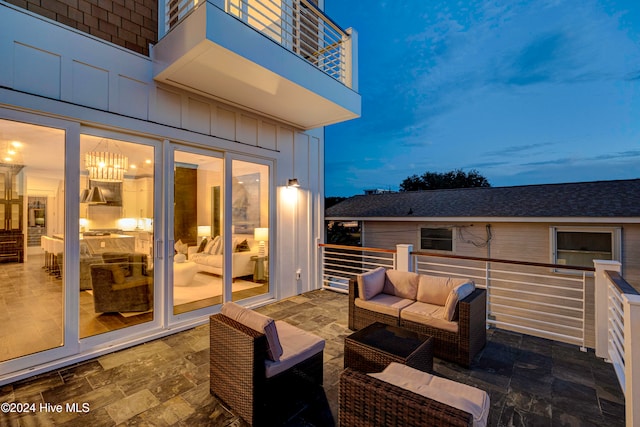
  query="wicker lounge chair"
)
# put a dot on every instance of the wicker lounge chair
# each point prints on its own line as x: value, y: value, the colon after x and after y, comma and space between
x: 239, y: 379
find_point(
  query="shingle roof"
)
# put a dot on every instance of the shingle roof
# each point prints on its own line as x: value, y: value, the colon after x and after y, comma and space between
x: 586, y: 199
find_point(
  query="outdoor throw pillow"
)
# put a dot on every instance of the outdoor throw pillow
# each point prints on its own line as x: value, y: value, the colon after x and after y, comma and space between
x: 403, y: 284
x: 433, y: 289
x: 371, y: 283
x: 458, y: 293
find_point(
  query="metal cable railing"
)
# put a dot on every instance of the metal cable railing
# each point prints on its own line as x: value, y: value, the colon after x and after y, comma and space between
x: 341, y: 263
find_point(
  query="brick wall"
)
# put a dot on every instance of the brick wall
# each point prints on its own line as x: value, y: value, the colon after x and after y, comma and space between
x: 132, y: 24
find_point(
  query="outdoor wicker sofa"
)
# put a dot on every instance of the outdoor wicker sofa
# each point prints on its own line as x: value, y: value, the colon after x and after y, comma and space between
x: 243, y: 374
x: 457, y: 340
x: 368, y: 401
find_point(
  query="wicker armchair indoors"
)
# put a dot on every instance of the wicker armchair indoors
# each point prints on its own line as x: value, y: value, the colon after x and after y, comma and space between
x: 122, y: 283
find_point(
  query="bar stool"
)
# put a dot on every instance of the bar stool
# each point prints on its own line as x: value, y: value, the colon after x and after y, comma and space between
x: 57, y: 250
x: 43, y: 246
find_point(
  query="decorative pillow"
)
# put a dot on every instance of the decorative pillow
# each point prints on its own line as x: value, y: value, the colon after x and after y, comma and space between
x: 258, y: 322
x: 180, y: 247
x: 371, y: 283
x: 434, y: 289
x: 203, y: 244
x: 217, y: 246
x: 403, y: 284
x: 210, y: 243
x: 243, y: 246
x: 458, y: 293
x: 180, y: 258
x: 118, y: 274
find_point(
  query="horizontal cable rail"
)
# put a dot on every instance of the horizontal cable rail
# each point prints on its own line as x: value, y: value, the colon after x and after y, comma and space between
x: 297, y: 25
x: 545, y: 300
x: 341, y: 263
x: 618, y: 290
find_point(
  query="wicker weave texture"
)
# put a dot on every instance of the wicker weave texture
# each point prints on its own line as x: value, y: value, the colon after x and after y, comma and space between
x: 365, y: 358
x: 237, y: 373
x: 460, y: 347
x: 367, y: 401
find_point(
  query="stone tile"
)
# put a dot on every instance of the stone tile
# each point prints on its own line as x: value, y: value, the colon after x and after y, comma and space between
x: 531, y: 381
x: 169, y: 413
x: 173, y: 386
x: 131, y: 406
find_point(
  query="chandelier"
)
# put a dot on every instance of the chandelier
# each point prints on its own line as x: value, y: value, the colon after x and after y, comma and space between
x: 106, y: 166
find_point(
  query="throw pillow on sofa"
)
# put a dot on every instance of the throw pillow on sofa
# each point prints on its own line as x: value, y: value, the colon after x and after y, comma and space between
x: 243, y: 246
x: 403, y: 284
x: 202, y: 245
x: 371, y: 283
x: 458, y: 293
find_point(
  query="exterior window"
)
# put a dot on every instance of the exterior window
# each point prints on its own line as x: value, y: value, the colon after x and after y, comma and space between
x: 579, y: 247
x: 439, y: 239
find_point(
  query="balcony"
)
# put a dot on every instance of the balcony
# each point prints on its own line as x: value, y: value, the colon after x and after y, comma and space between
x: 280, y: 58
x: 592, y: 311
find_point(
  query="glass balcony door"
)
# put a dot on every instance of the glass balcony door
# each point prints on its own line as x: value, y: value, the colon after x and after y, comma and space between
x: 35, y: 303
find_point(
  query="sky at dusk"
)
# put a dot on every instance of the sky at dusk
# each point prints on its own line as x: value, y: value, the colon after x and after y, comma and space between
x: 525, y: 92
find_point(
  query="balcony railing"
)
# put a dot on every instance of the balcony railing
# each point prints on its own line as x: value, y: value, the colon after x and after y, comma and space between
x: 617, y: 337
x: 297, y: 25
x: 558, y: 302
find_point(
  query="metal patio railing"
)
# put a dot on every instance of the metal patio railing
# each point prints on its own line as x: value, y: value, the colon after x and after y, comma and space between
x: 297, y: 25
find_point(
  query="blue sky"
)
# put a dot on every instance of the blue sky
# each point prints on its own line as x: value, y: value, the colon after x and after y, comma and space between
x: 525, y: 92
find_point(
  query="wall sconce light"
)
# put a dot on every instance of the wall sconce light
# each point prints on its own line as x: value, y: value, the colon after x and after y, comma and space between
x: 293, y: 182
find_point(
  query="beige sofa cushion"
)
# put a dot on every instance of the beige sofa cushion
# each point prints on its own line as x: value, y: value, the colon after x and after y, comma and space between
x: 402, y: 284
x: 297, y: 346
x: 258, y: 322
x: 428, y: 314
x: 433, y: 289
x: 371, y: 283
x: 384, y: 304
x: 458, y: 293
x: 469, y: 399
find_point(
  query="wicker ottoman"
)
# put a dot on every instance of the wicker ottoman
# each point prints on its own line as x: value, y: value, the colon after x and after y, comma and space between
x: 372, y: 348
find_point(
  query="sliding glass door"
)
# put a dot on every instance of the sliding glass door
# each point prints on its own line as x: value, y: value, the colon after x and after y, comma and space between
x: 116, y: 240
x: 32, y: 219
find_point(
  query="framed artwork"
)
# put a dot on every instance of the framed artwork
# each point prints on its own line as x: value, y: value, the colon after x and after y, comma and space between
x: 245, y: 198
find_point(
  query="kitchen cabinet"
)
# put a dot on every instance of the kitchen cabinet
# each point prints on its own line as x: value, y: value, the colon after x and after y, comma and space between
x: 137, y: 198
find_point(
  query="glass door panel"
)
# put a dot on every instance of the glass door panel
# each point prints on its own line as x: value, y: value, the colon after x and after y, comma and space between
x: 32, y: 282
x: 198, y: 263
x: 116, y: 234
x: 250, y: 229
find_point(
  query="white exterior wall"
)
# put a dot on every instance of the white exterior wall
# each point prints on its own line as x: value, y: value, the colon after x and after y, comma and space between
x: 50, y: 70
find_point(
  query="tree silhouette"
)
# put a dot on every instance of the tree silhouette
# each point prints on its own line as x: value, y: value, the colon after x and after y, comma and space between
x: 437, y: 181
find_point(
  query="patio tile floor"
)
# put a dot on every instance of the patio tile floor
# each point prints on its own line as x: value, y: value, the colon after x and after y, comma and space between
x: 531, y: 381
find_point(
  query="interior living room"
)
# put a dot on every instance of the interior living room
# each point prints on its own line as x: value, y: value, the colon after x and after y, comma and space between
x: 115, y: 274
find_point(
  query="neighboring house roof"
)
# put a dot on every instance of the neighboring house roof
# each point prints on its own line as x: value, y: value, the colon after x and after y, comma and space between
x: 608, y: 199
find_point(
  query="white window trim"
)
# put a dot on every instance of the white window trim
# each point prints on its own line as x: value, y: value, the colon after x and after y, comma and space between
x: 616, y: 236
x: 438, y: 227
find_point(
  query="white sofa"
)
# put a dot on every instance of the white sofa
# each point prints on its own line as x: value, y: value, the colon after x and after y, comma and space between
x: 210, y: 258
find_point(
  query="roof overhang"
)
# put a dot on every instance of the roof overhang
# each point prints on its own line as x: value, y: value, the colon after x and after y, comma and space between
x: 578, y: 220
x: 218, y: 56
